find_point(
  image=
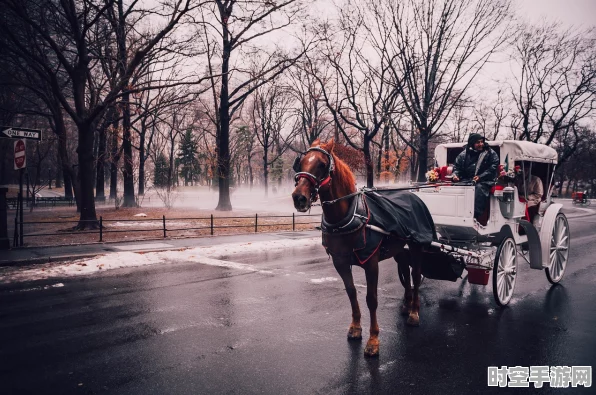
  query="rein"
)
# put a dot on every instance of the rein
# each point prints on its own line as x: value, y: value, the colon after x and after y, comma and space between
x: 365, y: 189
x: 317, y: 184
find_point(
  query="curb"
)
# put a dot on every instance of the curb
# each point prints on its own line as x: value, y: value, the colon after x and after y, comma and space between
x: 48, y: 259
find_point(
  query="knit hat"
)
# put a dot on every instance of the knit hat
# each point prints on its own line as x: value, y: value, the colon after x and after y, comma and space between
x: 474, y: 137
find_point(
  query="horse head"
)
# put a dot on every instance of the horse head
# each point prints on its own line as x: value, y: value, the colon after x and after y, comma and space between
x: 313, y: 170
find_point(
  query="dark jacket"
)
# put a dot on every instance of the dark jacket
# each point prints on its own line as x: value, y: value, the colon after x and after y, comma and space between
x: 465, y: 164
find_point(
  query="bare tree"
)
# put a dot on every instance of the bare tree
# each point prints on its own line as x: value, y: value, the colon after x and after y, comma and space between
x: 66, y: 32
x: 438, y: 47
x: 238, y: 25
x: 312, y: 117
x: 554, y: 85
x: 363, y: 100
x: 270, y: 110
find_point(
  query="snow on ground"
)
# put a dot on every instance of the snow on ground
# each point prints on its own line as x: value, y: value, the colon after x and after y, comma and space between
x: 152, y: 223
x: 210, y: 255
x: 323, y: 280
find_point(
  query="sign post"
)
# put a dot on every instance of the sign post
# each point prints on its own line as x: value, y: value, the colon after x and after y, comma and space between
x: 20, y: 163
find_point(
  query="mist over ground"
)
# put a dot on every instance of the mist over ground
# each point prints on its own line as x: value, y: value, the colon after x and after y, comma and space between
x: 244, y: 199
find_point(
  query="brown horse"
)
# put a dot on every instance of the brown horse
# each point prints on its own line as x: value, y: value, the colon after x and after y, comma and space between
x: 322, y: 174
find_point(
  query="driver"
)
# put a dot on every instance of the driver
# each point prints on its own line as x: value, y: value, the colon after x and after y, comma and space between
x: 477, y: 163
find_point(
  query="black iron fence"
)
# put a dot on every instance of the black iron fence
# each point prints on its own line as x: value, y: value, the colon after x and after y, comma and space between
x: 210, y: 224
x: 41, y: 202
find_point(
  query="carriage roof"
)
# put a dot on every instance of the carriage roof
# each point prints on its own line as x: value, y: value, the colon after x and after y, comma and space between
x: 515, y: 150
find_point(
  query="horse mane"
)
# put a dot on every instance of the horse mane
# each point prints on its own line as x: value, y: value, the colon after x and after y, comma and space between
x: 343, y: 177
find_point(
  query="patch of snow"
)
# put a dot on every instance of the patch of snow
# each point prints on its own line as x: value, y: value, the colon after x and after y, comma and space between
x: 323, y: 280
x: 210, y: 255
x: 140, y: 215
x: 146, y: 224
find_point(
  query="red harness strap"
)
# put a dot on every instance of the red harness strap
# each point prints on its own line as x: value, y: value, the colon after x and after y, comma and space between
x: 325, y: 181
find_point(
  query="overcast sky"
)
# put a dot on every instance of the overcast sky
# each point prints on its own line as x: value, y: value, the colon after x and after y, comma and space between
x: 569, y: 12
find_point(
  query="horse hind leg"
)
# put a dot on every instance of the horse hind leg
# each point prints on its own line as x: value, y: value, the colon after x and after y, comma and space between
x: 416, y: 263
x: 355, y: 329
x: 403, y: 269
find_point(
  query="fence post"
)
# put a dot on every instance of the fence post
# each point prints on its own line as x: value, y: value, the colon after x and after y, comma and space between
x: 15, y: 239
x: 256, y: 222
x: 100, y: 228
x: 164, y: 226
x: 293, y: 222
x: 211, y: 224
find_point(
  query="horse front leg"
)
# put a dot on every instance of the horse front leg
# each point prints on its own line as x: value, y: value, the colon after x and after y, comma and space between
x: 372, y: 278
x: 416, y: 263
x: 345, y: 272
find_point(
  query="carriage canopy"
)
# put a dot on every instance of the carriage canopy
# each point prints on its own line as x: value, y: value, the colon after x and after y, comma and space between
x: 510, y: 150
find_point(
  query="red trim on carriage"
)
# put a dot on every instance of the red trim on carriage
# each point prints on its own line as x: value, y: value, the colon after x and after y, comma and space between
x: 496, y: 188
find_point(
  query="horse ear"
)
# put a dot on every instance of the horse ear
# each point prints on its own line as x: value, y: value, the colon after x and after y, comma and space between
x: 296, y: 165
x: 330, y: 145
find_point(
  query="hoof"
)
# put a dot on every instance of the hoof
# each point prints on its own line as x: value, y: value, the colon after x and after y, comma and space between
x: 405, y: 310
x: 413, y: 320
x: 371, y: 350
x: 354, y: 334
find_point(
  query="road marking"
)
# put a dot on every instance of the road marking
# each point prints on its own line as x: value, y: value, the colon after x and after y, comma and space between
x: 132, y: 247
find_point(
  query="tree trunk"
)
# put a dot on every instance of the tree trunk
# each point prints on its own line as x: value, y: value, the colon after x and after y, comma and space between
x: 251, y: 177
x: 142, y: 163
x: 88, y: 218
x: 70, y: 181
x: 171, y: 163
x: 114, y: 162
x: 223, y: 139
x: 58, y: 182
x: 266, y: 170
x: 100, y: 167
x: 423, y: 155
x: 379, y: 163
x: 127, y: 173
x: 368, y: 162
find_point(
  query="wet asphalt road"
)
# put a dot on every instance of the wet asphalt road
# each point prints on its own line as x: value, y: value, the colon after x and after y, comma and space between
x: 189, y: 329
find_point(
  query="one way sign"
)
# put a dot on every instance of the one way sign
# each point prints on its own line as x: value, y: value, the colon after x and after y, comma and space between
x: 9, y: 132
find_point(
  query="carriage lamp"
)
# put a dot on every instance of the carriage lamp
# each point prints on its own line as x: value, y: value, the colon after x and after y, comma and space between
x: 508, y: 195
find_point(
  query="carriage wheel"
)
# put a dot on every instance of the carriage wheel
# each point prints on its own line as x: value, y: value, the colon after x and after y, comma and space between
x: 573, y: 202
x: 505, y: 271
x: 559, y: 249
x: 400, y: 274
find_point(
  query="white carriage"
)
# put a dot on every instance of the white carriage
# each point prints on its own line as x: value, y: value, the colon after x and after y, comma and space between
x: 506, y: 231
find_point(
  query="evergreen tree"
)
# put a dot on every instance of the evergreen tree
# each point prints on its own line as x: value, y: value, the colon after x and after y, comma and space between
x: 160, y: 175
x: 187, y: 157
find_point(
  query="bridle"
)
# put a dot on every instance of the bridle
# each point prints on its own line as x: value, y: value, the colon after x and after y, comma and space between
x: 317, y: 184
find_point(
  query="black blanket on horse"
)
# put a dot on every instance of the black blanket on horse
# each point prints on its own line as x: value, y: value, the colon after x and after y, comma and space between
x: 400, y: 213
